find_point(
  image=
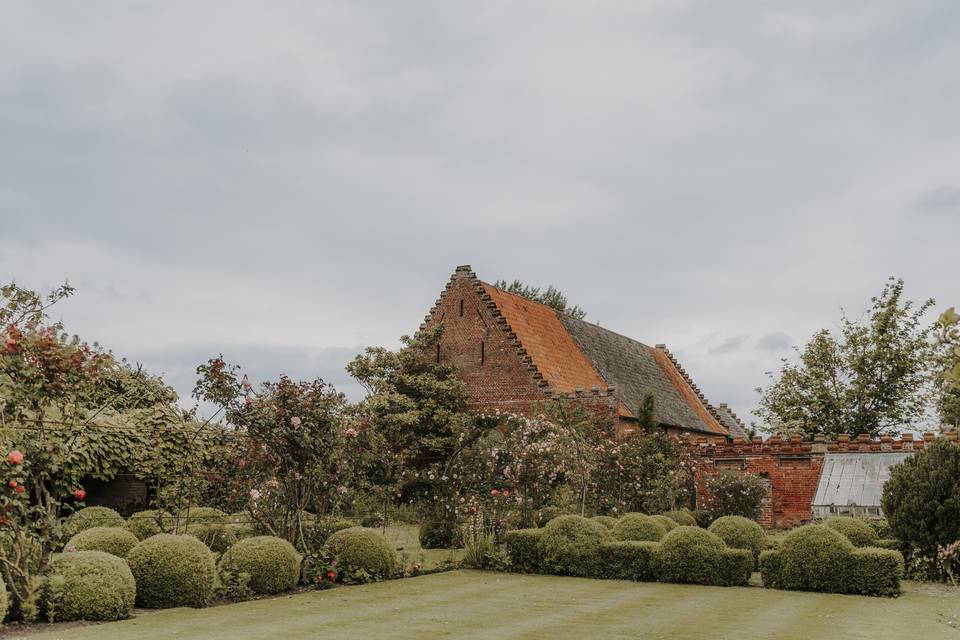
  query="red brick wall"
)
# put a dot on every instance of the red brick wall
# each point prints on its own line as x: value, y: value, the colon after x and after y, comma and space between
x: 792, y: 468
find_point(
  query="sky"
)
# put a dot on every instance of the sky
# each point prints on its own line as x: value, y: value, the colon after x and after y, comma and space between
x: 288, y: 182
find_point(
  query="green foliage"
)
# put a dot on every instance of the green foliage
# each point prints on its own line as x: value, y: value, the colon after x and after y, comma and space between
x: 871, y: 379
x: 322, y: 528
x: 172, y: 571
x: 817, y: 558
x: 201, y: 515
x: 689, y: 554
x: 704, y: 517
x: 922, y: 498
x: 880, y: 526
x: 629, y: 560
x: 91, y: 517
x: 113, y: 540
x: 666, y: 522
x: 362, y: 555
x: 546, y: 514
x: 638, y: 527
x: 876, y: 572
x: 552, y: 297
x: 608, y: 521
x: 144, y: 524
x: 523, y: 549
x: 217, y: 537
x: 682, y: 518
x: 856, y: 531
x: 814, y: 558
x: 4, y: 601
x: 272, y: 563
x: 440, y: 534
x: 734, y: 493
x: 23, y: 306
x: 92, y: 585
x: 947, y: 329
x: 570, y: 545
x: 740, y: 533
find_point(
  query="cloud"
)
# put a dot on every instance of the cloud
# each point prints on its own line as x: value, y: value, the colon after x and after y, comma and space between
x: 730, y: 344
x: 302, y: 178
x: 776, y: 341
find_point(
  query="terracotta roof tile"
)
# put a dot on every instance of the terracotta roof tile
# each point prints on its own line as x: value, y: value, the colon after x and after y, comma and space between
x: 553, y: 350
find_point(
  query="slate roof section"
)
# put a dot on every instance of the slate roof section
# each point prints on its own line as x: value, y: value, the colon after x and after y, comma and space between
x: 551, y: 347
x: 633, y: 368
x: 733, y: 424
x: 848, y: 479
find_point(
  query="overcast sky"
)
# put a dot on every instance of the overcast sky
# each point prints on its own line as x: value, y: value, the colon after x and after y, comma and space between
x: 287, y: 182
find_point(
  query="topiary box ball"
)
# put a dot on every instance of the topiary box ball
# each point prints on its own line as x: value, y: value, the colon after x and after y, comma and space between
x: 96, y: 586
x: 90, y: 517
x: 857, y: 531
x: 815, y: 558
x: 636, y: 526
x: 361, y: 550
x: 272, y: 563
x: 172, y: 571
x: 570, y: 545
x: 112, y: 540
x: 144, y: 524
x: 740, y: 533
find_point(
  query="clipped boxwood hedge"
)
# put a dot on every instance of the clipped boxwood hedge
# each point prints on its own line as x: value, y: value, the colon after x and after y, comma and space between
x: 629, y: 560
x: 90, y: 517
x: 87, y: 585
x: 362, y: 555
x: 740, y: 533
x: 638, y: 527
x: 682, y: 518
x: 217, y: 537
x: 608, y: 521
x: 856, y: 530
x: 200, y: 515
x: 689, y: 554
x: 669, y: 524
x: 819, y: 558
x: 172, y: 571
x: 272, y: 563
x: 523, y: 550
x: 144, y: 524
x: 112, y: 540
x: 570, y: 545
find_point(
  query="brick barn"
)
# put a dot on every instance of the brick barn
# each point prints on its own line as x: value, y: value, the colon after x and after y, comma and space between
x: 512, y: 353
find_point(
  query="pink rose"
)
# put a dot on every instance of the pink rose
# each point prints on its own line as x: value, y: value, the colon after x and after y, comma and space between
x: 15, y: 457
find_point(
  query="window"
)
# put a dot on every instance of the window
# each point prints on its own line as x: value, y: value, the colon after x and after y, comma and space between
x: 461, y: 308
x: 481, y: 351
x: 438, y: 353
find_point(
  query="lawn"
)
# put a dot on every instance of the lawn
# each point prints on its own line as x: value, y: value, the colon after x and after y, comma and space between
x: 474, y: 604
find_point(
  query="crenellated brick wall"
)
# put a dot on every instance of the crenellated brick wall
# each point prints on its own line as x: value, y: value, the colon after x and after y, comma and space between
x: 792, y: 468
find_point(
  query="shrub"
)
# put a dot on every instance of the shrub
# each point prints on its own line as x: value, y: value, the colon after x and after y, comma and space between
x: 922, y: 498
x: 889, y: 543
x: 881, y: 526
x: 771, y: 542
x: 112, y: 540
x: 856, y: 531
x: 740, y: 533
x: 272, y: 563
x: 669, y: 524
x: 373, y: 520
x: 682, y: 518
x: 628, y: 560
x: 876, y: 572
x: 734, y: 493
x: 638, y: 527
x: 689, y: 554
x: 770, y: 568
x: 172, y: 571
x: 440, y: 534
x: 144, y: 524
x: 570, y: 545
x: 608, y: 521
x: 523, y: 550
x: 814, y: 558
x: 546, y: 514
x: 217, y: 537
x: 201, y: 515
x: 317, y: 532
x: 87, y: 585
x: 362, y: 555
x: 91, y: 517
x: 704, y: 517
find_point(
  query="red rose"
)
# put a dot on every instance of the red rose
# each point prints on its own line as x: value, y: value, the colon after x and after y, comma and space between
x: 19, y: 489
x: 494, y: 492
x: 80, y: 495
x: 331, y: 576
x: 12, y: 484
x: 506, y: 493
x: 15, y: 457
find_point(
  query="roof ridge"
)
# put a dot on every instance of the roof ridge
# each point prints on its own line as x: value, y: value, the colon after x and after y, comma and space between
x: 699, y: 394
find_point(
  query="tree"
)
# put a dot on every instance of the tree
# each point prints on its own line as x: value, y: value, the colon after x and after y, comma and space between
x: 874, y: 377
x: 734, y: 493
x: 947, y: 330
x: 416, y: 417
x: 552, y: 297
x: 922, y: 499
